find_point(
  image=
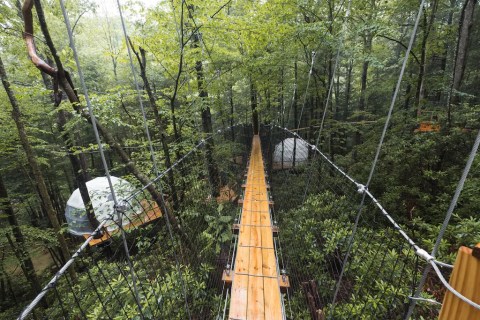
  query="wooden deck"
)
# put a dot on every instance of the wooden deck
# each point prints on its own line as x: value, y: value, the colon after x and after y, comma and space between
x: 149, y: 213
x: 255, y: 286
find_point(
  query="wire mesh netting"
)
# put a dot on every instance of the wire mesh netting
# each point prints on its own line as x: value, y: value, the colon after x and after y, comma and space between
x: 178, y: 236
x: 343, y: 255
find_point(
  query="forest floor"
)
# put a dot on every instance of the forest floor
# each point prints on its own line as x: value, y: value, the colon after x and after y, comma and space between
x: 41, y: 258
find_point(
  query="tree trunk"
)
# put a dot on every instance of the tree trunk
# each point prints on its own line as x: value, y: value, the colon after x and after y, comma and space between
x: 367, y: 48
x: 65, y: 82
x: 213, y: 174
x: 466, y: 23
x: 348, y: 90
x: 232, y: 113
x: 19, y: 247
x: 34, y: 166
x: 446, y: 53
x: 142, y: 62
x: 295, y: 120
x: 80, y: 173
x: 427, y: 27
x: 173, y: 99
x: 253, y: 105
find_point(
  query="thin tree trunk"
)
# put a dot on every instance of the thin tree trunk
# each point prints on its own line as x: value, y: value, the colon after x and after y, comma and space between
x: 142, y: 62
x: 427, y: 27
x: 295, y: 120
x: 448, y: 51
x: 173, y: 99
x: 34, y: 166
x: 367, y: 48
x: 207, y: 128
x: 253, y: 105
x: 232, y: 113
x: 65, y: 82
x: 19, y: 247
x: 348, y: 90
x: 79, y: 173
x: 465, y: 27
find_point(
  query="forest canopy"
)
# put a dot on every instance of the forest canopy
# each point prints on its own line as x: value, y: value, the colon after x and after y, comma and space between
x: 190, y: 72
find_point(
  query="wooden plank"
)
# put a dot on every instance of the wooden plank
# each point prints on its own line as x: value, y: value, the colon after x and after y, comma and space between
x: 244, y: 238
x: 255, y: 263
x: 238, y: 302
x: 256, y: 300
x: 243, y: 260
x: 269, y: 263
x: 273, y: 303
x: 255, y: 287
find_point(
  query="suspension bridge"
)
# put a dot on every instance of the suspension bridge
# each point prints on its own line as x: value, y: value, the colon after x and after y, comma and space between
x: 256, y: 290
x: 325, y: 249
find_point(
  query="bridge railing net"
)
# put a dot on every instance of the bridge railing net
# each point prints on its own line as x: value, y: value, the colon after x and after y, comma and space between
x: 342, y: 255
x: 176, y: 263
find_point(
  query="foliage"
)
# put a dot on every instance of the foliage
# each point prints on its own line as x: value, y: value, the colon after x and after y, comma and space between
x: 260, y: 49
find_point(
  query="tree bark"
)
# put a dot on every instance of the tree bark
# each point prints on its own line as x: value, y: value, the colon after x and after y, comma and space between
x: 253, y: 105
x: 34, y: 166
x: 142, y: 62
x: 213, y: 174
x: 232, y: 113
x: 367, y: 48
x: 295, y: 120
x: 465, y: 27
x: 67, y: 85
x: 427, y: 27
x: 80, y: 174
x: 20, y: 249
x: 348, y: 90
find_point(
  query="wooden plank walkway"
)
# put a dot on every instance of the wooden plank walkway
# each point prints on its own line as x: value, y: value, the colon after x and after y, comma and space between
x: 255, y: 288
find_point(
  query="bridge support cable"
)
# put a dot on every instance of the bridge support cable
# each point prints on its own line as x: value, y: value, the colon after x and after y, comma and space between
x: 380, y: 144
x: 390, y: 251
x: 312, y: 64
x: 443, y: 228
x: 102, y: 155
x: 104, y: 287
x: 332, y: 81
x: 152, y: 156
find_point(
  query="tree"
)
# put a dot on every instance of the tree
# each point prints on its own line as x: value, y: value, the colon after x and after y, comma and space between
x: 160, y: 123
x: 464, y: 30
x: 66, y: 83
x: 19, y: 247
x: 34, y: 166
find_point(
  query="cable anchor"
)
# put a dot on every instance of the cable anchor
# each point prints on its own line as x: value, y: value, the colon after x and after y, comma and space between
x: 283, y: 272
x: 361, y: 188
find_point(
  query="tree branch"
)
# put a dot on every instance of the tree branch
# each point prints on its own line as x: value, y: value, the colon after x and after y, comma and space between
x: 28, y: 37
x: 220, y: 9
x: 400, y: 43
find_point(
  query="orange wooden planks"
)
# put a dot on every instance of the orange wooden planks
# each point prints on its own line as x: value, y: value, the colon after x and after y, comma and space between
x: 465, y: 279
x: 255, y: 288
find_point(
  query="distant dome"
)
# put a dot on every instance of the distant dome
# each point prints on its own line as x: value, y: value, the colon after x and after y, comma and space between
x: 287, y: 147
x: 102, y: 202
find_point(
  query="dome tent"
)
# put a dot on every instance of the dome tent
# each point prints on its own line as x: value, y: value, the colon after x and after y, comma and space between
x: 301, y: 153
x: 102, y: 202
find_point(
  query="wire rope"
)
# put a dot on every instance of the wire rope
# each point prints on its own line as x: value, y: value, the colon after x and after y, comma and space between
x: 152, y: 155
x: 446, y: 221
x: 380, y: 144
x: 102, y: 155
x: 306, y: 89
x: 330, y: 89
